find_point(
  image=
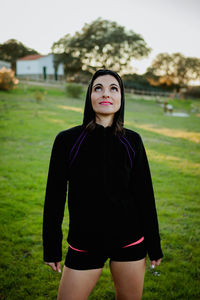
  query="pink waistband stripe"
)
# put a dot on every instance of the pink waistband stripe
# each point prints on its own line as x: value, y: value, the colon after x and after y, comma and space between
x: 132, y: 244
x: 77, y: 249
x: 135, y: 243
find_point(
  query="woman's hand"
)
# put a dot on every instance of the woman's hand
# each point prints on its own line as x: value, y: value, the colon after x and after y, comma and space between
x: 155, y: 262
x: 55, y: 266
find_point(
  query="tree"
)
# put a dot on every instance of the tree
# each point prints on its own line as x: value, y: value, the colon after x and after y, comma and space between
x: 102, y: 44
x: 12, y: 50
x: 70, y: 57
x: 136, y: 81
x: 175, y: 69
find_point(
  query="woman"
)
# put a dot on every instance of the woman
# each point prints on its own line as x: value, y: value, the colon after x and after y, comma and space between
x: 110, y: 198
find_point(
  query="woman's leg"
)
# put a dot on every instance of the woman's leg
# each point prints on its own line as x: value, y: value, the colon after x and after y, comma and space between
x: 128, y: 279
x: 77, y: 285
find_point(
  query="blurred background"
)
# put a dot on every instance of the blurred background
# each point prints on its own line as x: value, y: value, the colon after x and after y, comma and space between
x: 154, y: 44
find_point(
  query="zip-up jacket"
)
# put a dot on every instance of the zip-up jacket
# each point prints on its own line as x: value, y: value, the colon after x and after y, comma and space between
x: 105, y: 174
x: 110, y: 193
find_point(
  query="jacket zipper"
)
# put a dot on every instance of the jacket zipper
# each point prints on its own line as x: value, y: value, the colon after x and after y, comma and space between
x: 104, y: 159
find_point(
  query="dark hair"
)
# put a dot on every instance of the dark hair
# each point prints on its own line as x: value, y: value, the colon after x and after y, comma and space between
x: 89, y: 114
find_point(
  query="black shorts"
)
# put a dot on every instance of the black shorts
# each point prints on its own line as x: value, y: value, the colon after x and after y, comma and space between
x: 86, y: 260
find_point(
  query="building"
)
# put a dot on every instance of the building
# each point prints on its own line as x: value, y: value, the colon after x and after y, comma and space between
x: 5, y: 64
x: 39, y: 67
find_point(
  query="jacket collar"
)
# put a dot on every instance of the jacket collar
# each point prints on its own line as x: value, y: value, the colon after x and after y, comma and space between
x: 101, y: 128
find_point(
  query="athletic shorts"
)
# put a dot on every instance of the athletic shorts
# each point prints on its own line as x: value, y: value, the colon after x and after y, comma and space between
x: 79, y: 259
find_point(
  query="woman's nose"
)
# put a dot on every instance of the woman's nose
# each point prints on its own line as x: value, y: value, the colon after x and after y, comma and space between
x: 106, y: 94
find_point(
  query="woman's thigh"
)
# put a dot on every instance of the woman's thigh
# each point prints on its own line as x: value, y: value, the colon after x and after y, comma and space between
x: 128, y: 278
x: 77, y: 284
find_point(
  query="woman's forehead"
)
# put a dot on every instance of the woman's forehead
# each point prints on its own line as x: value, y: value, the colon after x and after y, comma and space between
x: 106, y: 80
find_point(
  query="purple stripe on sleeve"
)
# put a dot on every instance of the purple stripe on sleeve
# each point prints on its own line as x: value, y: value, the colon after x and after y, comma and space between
x: 77, y: 150
x: 129, y: 145
x: 76, y: 143
x: 127, y: 151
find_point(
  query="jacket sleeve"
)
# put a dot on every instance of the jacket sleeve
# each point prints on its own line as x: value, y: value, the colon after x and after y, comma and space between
x: 55, y: 198
x: 143, y: 192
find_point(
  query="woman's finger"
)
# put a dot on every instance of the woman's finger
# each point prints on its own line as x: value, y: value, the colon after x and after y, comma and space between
x: 58, y: 267
x: 155, y: 263
x: 52, y: 265
x: 158, y: 261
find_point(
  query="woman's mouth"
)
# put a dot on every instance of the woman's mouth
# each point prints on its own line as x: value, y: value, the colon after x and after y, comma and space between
x: 105, y: 103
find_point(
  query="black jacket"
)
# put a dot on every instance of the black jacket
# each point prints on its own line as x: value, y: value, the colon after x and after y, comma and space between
x: 110, y: 193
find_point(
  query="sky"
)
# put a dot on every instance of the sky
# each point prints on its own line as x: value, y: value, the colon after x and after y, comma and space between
x: 166, y: 25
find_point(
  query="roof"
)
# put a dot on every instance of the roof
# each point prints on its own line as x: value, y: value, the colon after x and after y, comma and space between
x: 31, y: 57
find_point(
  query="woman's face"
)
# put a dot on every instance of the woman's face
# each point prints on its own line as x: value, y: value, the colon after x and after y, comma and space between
x: 106, y: 95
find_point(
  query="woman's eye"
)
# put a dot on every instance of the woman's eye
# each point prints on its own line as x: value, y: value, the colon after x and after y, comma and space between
x: 97, y: 88
x: 114, y: 88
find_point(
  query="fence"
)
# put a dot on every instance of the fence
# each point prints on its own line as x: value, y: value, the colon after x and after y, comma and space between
x: 153, y: 93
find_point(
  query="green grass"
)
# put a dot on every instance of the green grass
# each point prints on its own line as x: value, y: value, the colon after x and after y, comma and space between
x: 27, y: 131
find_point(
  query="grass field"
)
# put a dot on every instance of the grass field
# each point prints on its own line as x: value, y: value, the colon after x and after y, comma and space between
x: 27, y: 130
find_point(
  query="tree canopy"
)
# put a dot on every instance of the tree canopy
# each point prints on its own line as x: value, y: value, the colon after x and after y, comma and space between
x: 101, y: 44
x: 12, y: 50
x: 174, y: 69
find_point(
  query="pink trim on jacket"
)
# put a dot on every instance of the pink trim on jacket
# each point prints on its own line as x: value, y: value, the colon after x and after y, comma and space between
x: 135, y: 243
x: 77, y: 249
x: 132, y: 244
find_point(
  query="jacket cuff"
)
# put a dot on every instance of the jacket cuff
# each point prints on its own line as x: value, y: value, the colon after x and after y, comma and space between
x: 154, y: 250
x: 52, y: 254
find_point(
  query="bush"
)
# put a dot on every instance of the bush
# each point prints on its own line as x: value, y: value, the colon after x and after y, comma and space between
x: 74, y: 90
x: 7, y: 79
x: 193, y: 92
x: 38, y: 92
x: 39, y: 95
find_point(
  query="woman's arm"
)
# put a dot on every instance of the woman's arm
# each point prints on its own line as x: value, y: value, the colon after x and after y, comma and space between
x: 143, y: 192
x: 55, y: 199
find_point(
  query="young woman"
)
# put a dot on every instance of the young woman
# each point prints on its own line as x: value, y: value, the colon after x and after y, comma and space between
x: 111, y: 201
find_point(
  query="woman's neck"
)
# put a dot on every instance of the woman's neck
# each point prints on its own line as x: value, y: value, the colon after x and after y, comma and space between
x: 104, y: 121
